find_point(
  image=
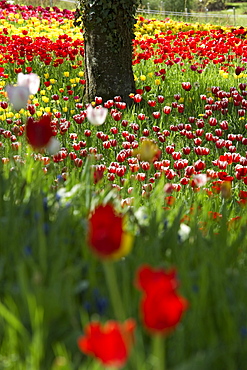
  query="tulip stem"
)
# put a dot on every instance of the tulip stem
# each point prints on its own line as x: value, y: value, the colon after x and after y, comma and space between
x: 116, y: 299
x: 159, y: 352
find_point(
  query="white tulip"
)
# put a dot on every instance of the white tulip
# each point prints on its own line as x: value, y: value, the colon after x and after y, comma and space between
x: 18, y: 96
x: 183, y: 232
x: 96, y: 116
x: 31, y: 81
x: 200, y: 179
x: 26, y: 85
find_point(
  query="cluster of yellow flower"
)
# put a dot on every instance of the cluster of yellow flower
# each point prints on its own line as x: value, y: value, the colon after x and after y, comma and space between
x: 34, y: 27
x: 144, y: 28
x: 43, y: 101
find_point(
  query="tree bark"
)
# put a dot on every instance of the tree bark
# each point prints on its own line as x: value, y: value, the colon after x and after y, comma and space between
x: 108, y: 52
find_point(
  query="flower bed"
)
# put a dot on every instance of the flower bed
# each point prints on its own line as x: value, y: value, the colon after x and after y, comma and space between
x: 105, y: 209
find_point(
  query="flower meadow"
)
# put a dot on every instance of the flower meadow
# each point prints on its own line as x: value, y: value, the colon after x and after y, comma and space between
x: 123, y: 228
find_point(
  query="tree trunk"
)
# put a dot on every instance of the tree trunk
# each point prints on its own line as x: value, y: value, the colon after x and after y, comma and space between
x: 108, y: 52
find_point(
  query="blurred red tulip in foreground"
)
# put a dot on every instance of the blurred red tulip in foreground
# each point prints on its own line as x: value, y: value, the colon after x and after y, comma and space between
x: 110, y: 343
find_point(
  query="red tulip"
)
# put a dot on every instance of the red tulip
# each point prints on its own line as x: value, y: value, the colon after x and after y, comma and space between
x: 239, y: 70
x: 186, y: 150
x: 4, y: 104
x: 209, y: 136
x: 212, y: 121
x: 39, y: 132
x: 197, y: 141
x: 162, y: 138
x: 98, y: 100
x: 161, y: 307
x: 120, y: 171
x: 176, y: 155
x: 110, y: 343
x: 192, y: 119
x: 160, y: 98
x: 199, y: 132
x: 224, y: 125
x: 156, y: 128
x: 117, y: 116
x: 177, y: 96
x: 186, y: 86
x: 109, y: 104
x: 145, y: 132
x: 242, y: 86
x: 167, y: 109
x: 184, y: 181
x: 137, y: 98
x: 141, y: 116
x: 180, y: 108
x: 152, y: 103
x: 241, y: 112
x: 106, y: 236
x: 173, y: 128
x: 199, y: 165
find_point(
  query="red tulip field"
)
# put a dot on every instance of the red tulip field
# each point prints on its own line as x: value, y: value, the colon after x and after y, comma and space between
x: 123, y: 241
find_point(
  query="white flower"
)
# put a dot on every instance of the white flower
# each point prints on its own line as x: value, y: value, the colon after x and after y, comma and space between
x: 200, y: 179
x: 18, y: 96
x: 183, y: 232
x: 26, y: 85
x: 96, y: 116
x: 31, y: 81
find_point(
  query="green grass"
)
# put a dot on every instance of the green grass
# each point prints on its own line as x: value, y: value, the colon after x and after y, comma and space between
x: 240, y: 7
x: 48, y: 3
